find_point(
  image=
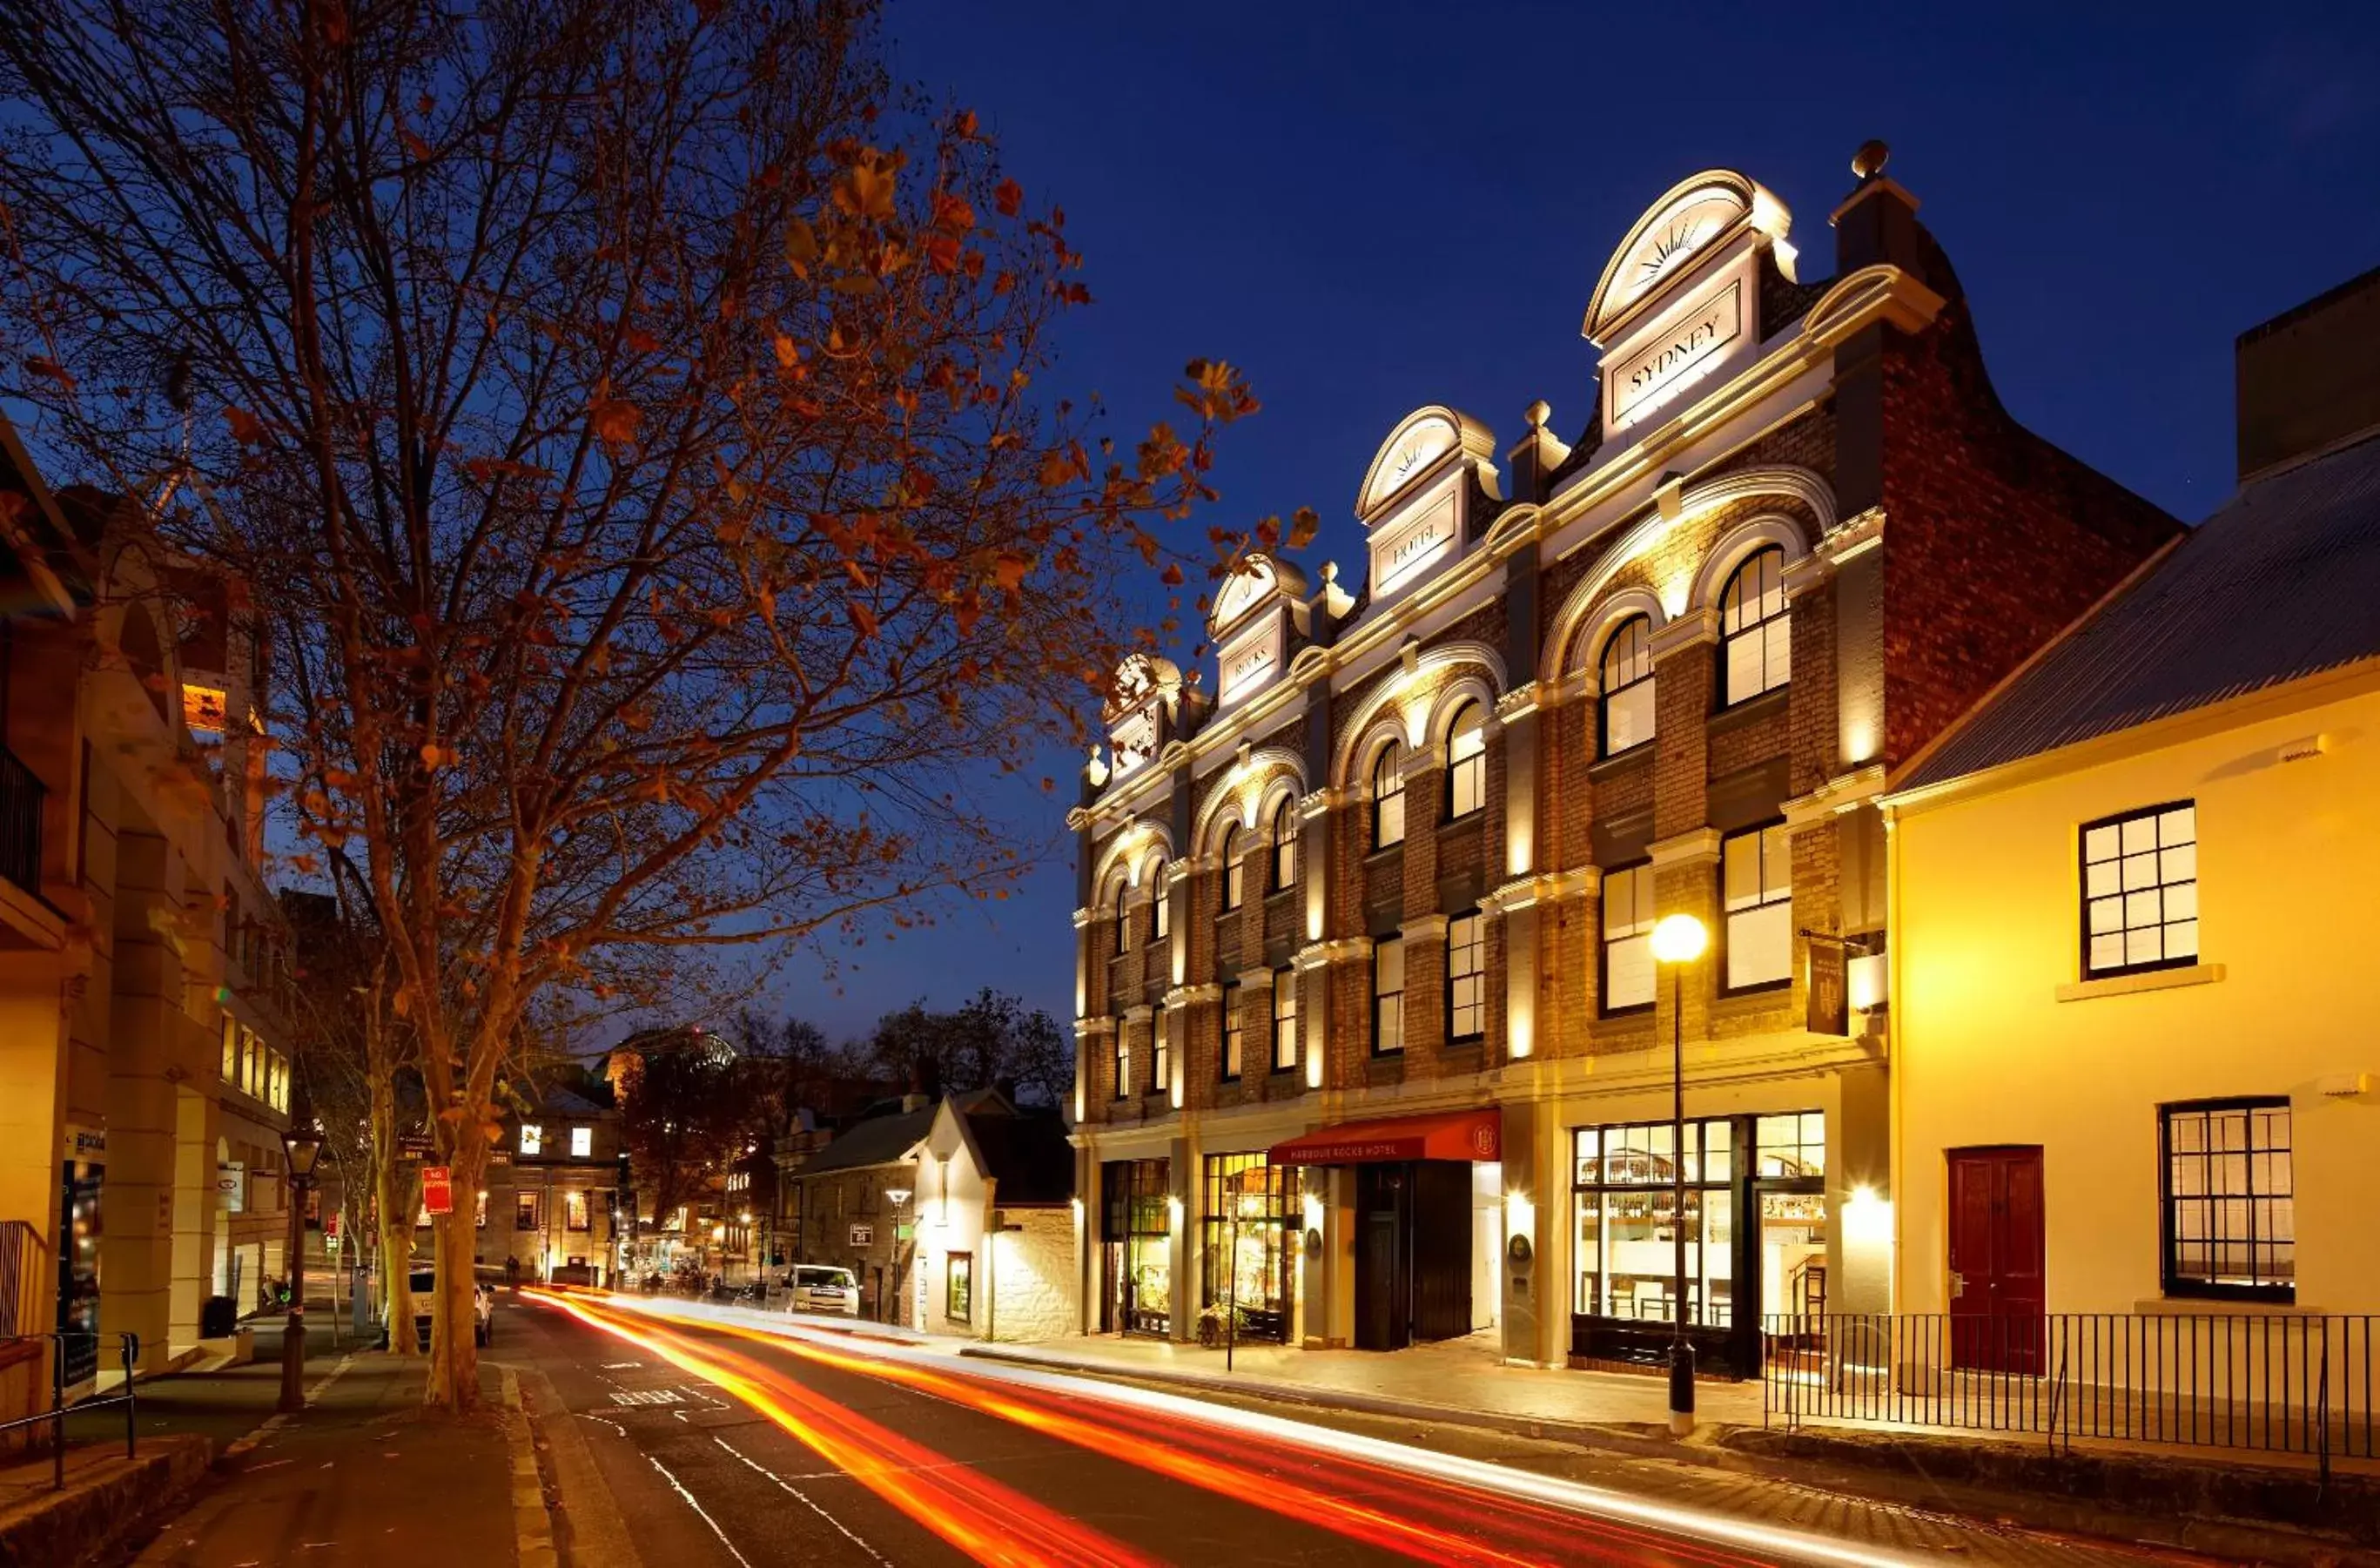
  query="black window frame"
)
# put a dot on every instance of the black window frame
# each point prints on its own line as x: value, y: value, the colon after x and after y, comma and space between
x: 1455, y: 1037
x: 2082, y: 864
x: 1160, y: 915
x: 1122, y: 917
x: 1121, y: 1053
x: 1603, y: 949
x: 1284, y: 990
x: 1281, y: 834
x: 2172, y: 1281
x: 1380, y: 996
x: 1474, y: 766
x: 1605, y: 691
x: 1230, y: 1054
x: 1391, y: 759
x: 1160, y: 1051
x: 1726, y: 915
x: 1235, y: 891
x: 1729, y: 697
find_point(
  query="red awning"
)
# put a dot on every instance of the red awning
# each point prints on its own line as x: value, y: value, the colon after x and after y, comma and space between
x: 1445, y: 1135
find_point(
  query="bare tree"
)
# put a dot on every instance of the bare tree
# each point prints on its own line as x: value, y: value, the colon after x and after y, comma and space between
x: 628, y: 410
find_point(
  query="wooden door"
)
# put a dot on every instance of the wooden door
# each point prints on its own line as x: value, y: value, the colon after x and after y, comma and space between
x: 1996, y: 1295
x: 1441, y: 1250
x: 1383, y: 1264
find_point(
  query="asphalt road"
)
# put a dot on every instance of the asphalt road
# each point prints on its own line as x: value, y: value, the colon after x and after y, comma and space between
x: 714, y: 1444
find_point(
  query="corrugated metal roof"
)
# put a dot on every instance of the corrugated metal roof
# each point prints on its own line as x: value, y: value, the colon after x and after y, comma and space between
x: 2281, y: 582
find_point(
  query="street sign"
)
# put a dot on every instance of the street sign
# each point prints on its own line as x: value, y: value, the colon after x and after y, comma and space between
x: 331, y: 1225
x: 437, y: 1190
x: 863, y: 1236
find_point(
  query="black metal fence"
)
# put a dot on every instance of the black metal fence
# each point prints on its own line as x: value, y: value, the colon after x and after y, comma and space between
x: 55, y: 1418
x: 20, y: 822
x: 2263, y: 1382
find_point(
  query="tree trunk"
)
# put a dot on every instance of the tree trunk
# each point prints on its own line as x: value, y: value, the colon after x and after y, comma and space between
x: 454, y: 1347
x: 395, y: 1201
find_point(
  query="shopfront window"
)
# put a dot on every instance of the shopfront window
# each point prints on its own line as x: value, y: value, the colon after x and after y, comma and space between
x: 1626, y: 1211
x: 1250, y: 1240
x: 1139, y: 1233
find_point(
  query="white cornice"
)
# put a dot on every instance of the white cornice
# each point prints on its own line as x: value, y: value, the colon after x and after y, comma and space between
x: 1318, y: 954
x: 1184, y: 996
x: 1697, y: 846
x: 1546, y: 887
x: 1084, y: 917
x: 1842, y: 792
x: 1424, y: 927
x: 1091, y: 1028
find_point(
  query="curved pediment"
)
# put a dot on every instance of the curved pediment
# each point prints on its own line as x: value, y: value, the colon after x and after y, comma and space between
x: 1691, y: 217
x: 1255, y: 579
x: 1421, y: 441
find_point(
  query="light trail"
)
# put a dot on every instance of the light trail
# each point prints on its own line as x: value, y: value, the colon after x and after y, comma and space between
x: 989, y: 1522
x: 1473, y: 1482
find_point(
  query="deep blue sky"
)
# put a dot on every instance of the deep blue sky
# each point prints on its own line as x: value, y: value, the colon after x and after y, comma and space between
x: 1373, y: 207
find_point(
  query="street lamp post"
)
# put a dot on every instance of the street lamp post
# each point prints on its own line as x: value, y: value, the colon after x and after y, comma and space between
x: 301, y: 1147
x: 1678, y: 940
x: 899, y: 1196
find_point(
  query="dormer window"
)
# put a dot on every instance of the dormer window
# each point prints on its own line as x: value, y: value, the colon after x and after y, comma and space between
x: 1389, y: 796
x: 1466, y: 761
x: 532, y: 1138
x: 582, y: 1143
x: 1234, y: 876
x: 1626, y: 682
x: 1284, y: 845
x: 1755, y: 633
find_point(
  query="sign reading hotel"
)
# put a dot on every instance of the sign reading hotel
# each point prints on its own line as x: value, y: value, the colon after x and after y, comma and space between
x: 1410, y: 546
x: 1647, y: 378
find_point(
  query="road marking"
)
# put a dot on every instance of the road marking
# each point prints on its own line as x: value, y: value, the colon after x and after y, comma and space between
x: 699, y: 1511
x: 644, y: 1396
x: 808, y: 1502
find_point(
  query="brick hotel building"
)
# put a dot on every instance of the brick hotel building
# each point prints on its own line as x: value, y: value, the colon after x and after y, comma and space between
x: 1372, y: 1042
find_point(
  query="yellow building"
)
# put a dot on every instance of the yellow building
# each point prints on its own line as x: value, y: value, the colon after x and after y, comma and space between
x: 2135, y: 1067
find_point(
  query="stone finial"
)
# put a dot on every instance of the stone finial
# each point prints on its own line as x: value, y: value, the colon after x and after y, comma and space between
x: 1539, y: 413
x: 1869, y: 161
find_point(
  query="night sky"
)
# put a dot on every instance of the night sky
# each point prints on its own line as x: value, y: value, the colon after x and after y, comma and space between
x: 1375, y: 207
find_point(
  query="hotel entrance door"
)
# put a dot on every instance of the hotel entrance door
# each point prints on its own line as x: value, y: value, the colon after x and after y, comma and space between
x: 1413, y: 1253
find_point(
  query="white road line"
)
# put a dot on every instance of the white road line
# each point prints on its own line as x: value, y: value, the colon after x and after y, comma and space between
x: 701, y: 1512
x: 809, y: 1503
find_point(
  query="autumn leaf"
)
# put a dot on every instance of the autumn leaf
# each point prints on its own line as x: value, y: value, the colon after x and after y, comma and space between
x: 640, y: 341
x: 862, y: 619
x: 414, y: 148
x: 1303, y: 524
x: 615, y: 421
x: 435, y: 757
x: 801, y: 247
x: 1008, y: 198
x: 1172, y: 576
x: 964, y: 122
x: 868, y: 188
x: 1008, y: 570
x: 788, y: 356
x: 245, y: 428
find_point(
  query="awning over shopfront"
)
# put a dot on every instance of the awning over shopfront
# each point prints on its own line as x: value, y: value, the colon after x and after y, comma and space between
x: 1445, y: 1135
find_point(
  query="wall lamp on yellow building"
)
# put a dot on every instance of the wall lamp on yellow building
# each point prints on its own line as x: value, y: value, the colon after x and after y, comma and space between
x: 1678, y: 940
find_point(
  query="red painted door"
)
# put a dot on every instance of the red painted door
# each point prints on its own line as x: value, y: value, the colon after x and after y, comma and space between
x: 1996, y: 1276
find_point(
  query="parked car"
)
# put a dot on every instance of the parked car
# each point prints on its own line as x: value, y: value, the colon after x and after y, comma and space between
x: 814, y: 1287
x: 483, y: 1309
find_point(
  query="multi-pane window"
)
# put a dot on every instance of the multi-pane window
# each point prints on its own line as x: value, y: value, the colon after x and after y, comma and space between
x: 582, y: 1143
x: 1234, y: 877
x: 525, y: 1211
x: 574, y: 1210
x: 1284, y: 1020
x: 1123, y: 1058
x: 2228, y: 1227
x: 1122, y: 919
x: 1790, y: 1145
x: 1756, y: 635
x: 1161, y: 907
x: 1625, y: 1208
x: 1466, y: 761
x: 1466, y: 978
x: 532, y: 1138
x: 1389, y: 796
x: 1628, y: 972
x: 1388, y: 996
x: 2140, y: 890
x: 1284, y: 843
x: 958, y: 1302
x: 1234, y: 1035
x: 230, y: 1048
x: 1627, y: 684
x: 1160, y: 1052
x: 1756, y: 888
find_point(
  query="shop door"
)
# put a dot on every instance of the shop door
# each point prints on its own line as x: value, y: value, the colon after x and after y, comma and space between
x: 1996, y: 1246
x: 1441, y: 1250
x: 1383, y: 1260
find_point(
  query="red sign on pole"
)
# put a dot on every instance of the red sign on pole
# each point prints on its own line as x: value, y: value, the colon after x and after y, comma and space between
x: 437, y: 1191
x: 330, y: 1223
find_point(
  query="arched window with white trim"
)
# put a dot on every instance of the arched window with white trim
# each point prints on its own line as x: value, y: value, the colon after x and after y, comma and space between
x: 1389, y: 796
x: 1234, y: 878
x: 1755, y: 633
x: 1122, y: 917
x: 1466, y: 761
x: 1625, y: 680
x: 1284, y: 843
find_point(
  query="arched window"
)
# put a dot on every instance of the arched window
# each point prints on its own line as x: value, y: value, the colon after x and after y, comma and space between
x: 1389, y: 796
x: 1466, y: 761
x: 1123, y: 921
x: 1234, y: 883
x: 1161, y: 907
x: 1627, y: 686
x: 1284, y: 843
x: 1756, y: 635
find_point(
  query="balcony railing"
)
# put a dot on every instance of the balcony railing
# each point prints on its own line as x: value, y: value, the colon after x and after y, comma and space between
x: 20, y: 824
x: 2274, y: 1382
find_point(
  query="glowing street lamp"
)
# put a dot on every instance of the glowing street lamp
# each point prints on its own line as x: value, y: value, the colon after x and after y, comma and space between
x: 1678, y: 940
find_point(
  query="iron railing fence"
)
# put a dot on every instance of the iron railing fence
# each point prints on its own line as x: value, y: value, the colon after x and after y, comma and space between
x: 20, y: 824
x: 128, y: 1345
x: 2260, y: 1382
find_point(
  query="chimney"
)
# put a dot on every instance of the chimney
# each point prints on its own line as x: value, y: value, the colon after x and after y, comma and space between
x: 2305, y: 379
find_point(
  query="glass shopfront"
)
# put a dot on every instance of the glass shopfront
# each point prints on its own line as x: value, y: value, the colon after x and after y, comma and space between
x: 1137, y: 1231
x: 1627, y: 1291
x: 1250, y: 1237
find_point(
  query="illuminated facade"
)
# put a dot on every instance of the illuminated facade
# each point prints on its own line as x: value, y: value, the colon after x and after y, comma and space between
x: 1372, y: 1044
x: 144, y: 975
x: 553, y: 1193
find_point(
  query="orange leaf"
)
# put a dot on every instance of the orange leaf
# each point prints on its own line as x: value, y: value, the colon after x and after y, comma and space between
x: 787, y: 355
x: 1008, y: 198
x: 435, y: 757
x: 615, y: 421
x: 245, y: 428
x: 862, y: 619
x: 1008, y: 570
x: 1172, y: 576
x: 868, y: 189
x: 1302, y: 526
